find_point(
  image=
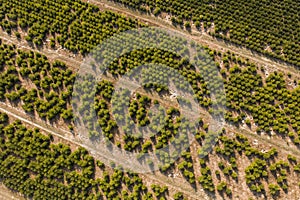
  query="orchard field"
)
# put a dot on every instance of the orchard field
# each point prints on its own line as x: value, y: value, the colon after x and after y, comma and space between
x: 258, y: 101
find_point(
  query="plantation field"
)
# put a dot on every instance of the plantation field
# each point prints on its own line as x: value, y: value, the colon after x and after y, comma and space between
x: 258, y: 104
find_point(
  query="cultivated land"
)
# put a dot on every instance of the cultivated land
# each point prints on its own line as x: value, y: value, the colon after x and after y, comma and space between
x: 229, y: 171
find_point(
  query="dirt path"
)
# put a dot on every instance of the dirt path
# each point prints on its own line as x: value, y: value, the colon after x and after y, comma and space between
x: 280, y: 145
x: 6, y: 194
x: 34, y: 122
x: 74, y: 61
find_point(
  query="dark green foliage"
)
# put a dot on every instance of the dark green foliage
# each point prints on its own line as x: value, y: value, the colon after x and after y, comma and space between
x: 52, y: 83
x: 206, y: 179
x: 76, y: 25
x: 254, y: 173
x: 271, y: 104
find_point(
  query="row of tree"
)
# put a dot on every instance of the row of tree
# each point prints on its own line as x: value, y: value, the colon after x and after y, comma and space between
x: 76, y: 25
x: 271, y: 103
x: 51, y: 84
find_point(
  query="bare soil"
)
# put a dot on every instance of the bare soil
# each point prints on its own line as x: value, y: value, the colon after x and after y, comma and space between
x: 7, y: 194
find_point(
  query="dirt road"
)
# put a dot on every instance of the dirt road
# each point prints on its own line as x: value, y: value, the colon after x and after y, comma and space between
x: 6, y: 194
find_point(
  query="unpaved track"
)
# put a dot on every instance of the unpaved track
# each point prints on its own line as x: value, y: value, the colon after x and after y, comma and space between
x: 6, y: 194
x: 73, y: 63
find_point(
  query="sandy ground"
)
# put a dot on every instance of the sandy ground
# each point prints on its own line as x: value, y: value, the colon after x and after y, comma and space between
x: 6, y: 194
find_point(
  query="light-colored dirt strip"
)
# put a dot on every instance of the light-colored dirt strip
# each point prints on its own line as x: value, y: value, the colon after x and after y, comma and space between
x: 279, y: 145
x: 6, y: 194
x: 73, y: 61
